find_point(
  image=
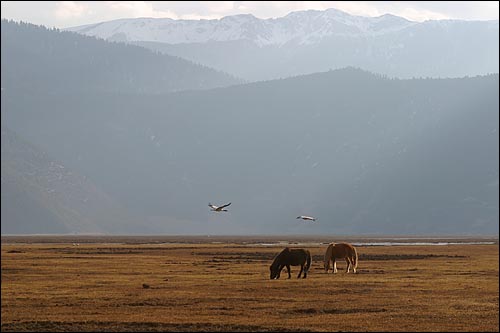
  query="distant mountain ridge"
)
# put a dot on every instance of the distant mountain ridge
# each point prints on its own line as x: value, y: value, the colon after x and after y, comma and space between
x: 302, y: 27
x: 312, y: 41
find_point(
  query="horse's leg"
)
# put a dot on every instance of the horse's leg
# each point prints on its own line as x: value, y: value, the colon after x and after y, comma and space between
x: 334, y: 266
x: 348, y: 264
x: 301, y: 269
x: 288, y: 268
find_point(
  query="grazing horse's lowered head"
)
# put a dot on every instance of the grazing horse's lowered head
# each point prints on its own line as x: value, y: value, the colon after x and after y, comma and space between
x: 341, y: 251
x: 287, y: 257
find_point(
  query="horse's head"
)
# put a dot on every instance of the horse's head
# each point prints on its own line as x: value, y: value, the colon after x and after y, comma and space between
x: 273, y: 269
x: 328, y: 257
x: 277, y: 265
x: 326, y: 265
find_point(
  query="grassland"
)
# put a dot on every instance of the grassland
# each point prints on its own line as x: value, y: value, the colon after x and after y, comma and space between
x: 144, y: 284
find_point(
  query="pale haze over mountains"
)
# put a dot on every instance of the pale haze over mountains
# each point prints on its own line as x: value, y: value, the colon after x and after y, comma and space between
x: 372, y: 125
x: 312, y: 41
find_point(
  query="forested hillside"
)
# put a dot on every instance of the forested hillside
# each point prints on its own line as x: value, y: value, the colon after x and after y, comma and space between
x: 361, y: 152
x: 35, y: 58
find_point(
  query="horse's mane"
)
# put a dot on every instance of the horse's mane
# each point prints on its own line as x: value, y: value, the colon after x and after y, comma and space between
x: 280, y: 255
x: 328, y: 254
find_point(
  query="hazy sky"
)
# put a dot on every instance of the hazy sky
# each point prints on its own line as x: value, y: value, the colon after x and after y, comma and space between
x: 62, y: 14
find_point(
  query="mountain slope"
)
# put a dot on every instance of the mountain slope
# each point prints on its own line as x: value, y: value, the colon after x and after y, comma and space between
x: 362, y: 153
x: 40, y: 195
x: 34, y: 57
x: 315, y: 41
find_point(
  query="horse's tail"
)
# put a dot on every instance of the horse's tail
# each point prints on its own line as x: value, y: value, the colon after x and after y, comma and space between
x: 355, y: 259
x: 308, y: 261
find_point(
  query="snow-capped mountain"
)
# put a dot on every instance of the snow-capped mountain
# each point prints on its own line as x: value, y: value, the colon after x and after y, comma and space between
x: 302, y: 27
x: 312, y: 41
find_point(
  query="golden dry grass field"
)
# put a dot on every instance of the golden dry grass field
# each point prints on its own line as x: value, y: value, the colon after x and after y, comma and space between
x: 133, y: 284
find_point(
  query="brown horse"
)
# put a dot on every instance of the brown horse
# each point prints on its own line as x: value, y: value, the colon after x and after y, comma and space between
x: 289, y: 257
x: 341, y: 251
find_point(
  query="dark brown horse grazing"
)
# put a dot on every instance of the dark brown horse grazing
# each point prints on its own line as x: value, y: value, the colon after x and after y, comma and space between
x: 292, y: 257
